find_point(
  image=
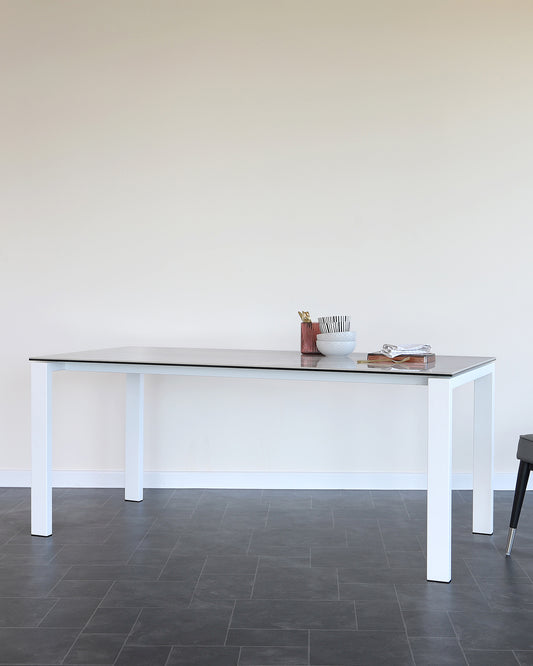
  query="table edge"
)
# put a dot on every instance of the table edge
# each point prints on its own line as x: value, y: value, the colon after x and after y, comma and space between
x: 419, y: 372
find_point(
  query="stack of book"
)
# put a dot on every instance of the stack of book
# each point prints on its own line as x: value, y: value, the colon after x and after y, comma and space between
x: 408, y: 360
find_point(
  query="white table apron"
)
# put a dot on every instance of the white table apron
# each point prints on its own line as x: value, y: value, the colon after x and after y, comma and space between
x: 439, y: 451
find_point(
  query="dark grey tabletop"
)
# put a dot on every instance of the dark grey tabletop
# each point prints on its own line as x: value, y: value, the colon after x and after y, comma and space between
x: 447, y: 366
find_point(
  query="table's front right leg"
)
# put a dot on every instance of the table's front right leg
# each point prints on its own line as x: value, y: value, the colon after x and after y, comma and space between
x: 41, y: 448
x: 439, y: 495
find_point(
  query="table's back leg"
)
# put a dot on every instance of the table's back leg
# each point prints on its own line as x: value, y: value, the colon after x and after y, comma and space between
x: 483, y: 496
x: 439, y: 507
x: 134, y: 437
x: 41, y: 448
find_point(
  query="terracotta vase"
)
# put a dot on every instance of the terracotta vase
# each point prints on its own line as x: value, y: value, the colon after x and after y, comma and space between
x: 308, y: 338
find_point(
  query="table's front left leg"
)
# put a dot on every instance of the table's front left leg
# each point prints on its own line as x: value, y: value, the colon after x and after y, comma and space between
x: 483, y: 496
x: 439, y: 493
x: 41, y: 448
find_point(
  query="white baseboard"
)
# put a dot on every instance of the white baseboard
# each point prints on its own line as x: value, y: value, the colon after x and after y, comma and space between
x: 257, y: 480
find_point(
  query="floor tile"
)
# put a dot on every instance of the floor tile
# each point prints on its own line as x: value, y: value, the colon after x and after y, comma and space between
x: 354, y: 500
x: 143, y: 656
x: 440, y: 596
x: 241, y: 517
x: 158, y: 540
x: 378, y: 615
x: 492, y: 658
x: 381, y: 575
x: 149, y: 593
x: 27, y: 576
x: 347, y: 557
x: 183, y: 567
x: 286, y: 537
x: 171, y: 522
x: 207, y: 518
x: 282, y: 561
x: 297, y: 518
x: 75, y: 535
x: 183, y: 498
x: 70, y: 612
x: 112, y: 572
x: 360, y: 518
x: 81, y: 588
x: 436, y: 651
x: 187, y: 626
x: 289, y: 614
x: 404, y: 559
x: 397, y: 539
x: 428, y: 623
x: 37, y: 552
x: 24, y: 612
x: 213, y: 542
x: 156, y: 557
x: 369, y: 591
x: 517, y: 593
x: 231, y: 564
x: 104, y: 554
x: 301, y: 499
x: 494, y: 567
x: 365, y: 538
x: 390, y: 512
x: 112, y: 620
x: 224, y: 586
x: 296, y: 583
x: 497, y: 630
x: 95, y: 649
x: 264, y: 551
x: 274, y: 637
x: 36, y: 645
x: 364, y: 648
x: 266, y: 656
x: 203, y: 656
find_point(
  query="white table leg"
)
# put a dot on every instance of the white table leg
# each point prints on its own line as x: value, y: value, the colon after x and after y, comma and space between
x: 134, y: 437
x: 439, y: 495
x: 41, y: 449
x: 482, y: 512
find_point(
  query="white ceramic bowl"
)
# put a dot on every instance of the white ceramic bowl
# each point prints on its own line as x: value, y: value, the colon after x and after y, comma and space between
x: 332, y: 348
x: 337, y: 337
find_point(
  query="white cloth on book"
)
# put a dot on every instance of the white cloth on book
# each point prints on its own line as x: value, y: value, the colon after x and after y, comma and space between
x: 399, y: 350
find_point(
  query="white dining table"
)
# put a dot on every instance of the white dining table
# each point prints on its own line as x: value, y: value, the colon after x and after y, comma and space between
x: 441, y: 378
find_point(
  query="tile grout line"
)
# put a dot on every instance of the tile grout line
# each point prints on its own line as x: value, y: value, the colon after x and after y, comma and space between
x: 128, y: 634
x: 229, y: 622
x: 404, y: 623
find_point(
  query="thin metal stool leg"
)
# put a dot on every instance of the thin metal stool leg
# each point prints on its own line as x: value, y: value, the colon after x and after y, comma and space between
x: 519, y: 494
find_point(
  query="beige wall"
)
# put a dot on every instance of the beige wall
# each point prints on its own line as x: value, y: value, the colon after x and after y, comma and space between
x: 191, y: 173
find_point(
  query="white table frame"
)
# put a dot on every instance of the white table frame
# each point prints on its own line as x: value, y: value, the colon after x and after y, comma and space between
x: 440, y: 413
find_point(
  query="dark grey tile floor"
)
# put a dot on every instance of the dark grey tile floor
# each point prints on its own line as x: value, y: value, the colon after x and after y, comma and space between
x: 255, y: 578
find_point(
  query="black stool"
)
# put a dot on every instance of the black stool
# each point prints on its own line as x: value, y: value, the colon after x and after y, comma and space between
x: 525, y: 455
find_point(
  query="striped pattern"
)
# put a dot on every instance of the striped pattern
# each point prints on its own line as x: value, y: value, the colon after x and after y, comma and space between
x: 334, y: 324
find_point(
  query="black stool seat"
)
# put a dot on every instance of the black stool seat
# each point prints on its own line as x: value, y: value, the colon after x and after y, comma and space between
x: 525, y: 455
x: 525, y: 449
